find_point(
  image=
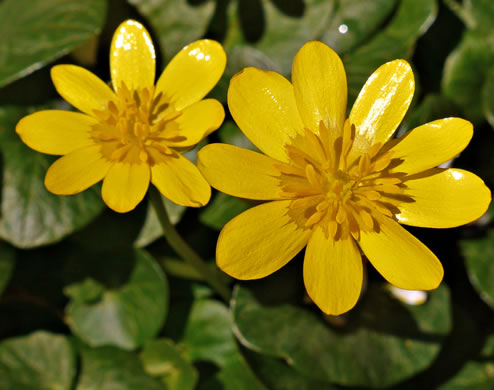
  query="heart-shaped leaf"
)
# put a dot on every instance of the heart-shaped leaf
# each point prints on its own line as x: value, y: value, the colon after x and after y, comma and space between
x: 126, y: 317
x: 41, y: 361
x: 466, y: 71
x: 162, y: 359
x: 354, y: 22
x: 36, y: 32
x: 32, y: 216
x: 396, y: 40
x: 112, y: 368
x: 393, y: 340
x: 478, y: 254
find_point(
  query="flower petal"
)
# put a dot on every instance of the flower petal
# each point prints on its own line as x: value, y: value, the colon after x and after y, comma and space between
x: 55, y: 131
x: 77, y: 171
x: 81, y: 88
x: 333, y: 273
x: 381, y: 105
x: 400, y: 257
x: 432, y: 144
x: 259, y: 241
x: 239, y: 172
x: 132, y: 57
x: 263, y: 106
x: 192, y: 73
x: 444, y: 199
x: 197, y: 121
x: 180, y: 181
x: 125, y: 186
x: 320, y: 87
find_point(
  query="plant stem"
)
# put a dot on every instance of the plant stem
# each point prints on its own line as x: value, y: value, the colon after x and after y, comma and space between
x: 184, y: 250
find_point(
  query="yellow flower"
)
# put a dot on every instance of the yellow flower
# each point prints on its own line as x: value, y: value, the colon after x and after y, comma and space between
x: 133, y: 134
x: 336, y: 184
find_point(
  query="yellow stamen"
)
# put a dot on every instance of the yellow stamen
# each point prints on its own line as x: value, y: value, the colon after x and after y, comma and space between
x: 136, y: 120
x: 342, y: 197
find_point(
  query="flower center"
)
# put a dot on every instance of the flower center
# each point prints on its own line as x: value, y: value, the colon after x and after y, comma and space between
x: 137, y: 127
x: 328, y: 190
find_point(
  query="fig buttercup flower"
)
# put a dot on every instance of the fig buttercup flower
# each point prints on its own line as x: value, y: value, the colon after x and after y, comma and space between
x: 131, y: 135
x: 338, y: 186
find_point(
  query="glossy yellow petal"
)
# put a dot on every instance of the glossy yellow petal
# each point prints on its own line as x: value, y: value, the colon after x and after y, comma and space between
x: 401, y: 258
x: 381, y: 105
x: 197, y: 121
x: 81, y: 88
x: 192, y: 73
x: 77, y: 171
x: 432, y: 144
x: 125, y: 185
x: 333, y: 273
x: 132, y: 57
x: 56, y: 132
x: 263, y: 105
x: 320, y: 87
x: 259, y: 241
x: 239, y: 172
x: 444, y: 199
x: 180, y: 181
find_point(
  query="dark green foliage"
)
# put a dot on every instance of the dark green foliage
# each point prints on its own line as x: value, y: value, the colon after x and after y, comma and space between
x: 81, y: 308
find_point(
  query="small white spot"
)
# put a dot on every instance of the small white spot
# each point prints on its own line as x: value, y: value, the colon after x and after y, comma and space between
x: 457, y: 175
x: 134, y: 23
x: 410, y: 297
x: 119, y: 42
x: 343, y: 28
x: 200, y: 56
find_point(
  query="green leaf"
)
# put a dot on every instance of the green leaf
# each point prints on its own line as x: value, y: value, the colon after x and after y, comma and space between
x: 394, y: 341
x: 127, y: 317
x: 234, y: 375
x: 208, y: 334
x: 488, y: 97
x: 208, y: 337
x: 87, y: 291
x: 465, y: 74
x: 476, y: 14
x: 36, y: 32
x: 151, y: 230
x: 283, y: 34
x: 354, y: 22
x: 478, y: 254
x: 477, y: 373
x: 162, y: 359
x: 221, y: 210
x: 481, y: 13
x: 176, y: 22
x: 113, y: 369
x: 32, y: 216
x: 396, y: 40
x: 7, y: 261
x: 39, y: 361
x: 276, y: 374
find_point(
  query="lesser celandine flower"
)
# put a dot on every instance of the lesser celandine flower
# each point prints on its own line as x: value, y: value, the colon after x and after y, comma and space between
x: 133, y: 134
x: 337, y: 184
